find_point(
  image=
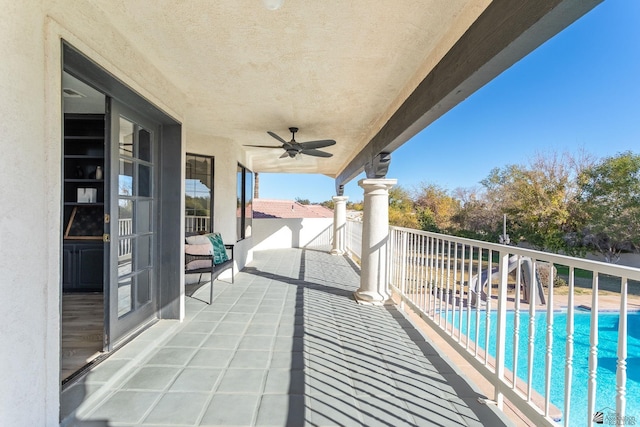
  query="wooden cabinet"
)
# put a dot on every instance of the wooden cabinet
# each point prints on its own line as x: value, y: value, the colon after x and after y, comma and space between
x: 83, y: 267
x: 83, y: 202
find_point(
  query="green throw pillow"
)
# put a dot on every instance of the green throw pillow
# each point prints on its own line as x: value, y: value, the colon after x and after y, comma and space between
x: 219, y: 251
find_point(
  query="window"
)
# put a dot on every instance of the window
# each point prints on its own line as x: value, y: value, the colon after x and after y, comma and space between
x: 244, y: 208
x: 198, y: 194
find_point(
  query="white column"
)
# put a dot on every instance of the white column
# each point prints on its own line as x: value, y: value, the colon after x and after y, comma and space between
x: 339, y: 225
x: 375, y: 233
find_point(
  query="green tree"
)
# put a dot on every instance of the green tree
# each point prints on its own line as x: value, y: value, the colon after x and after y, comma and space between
x: 538, y: 199
x: 198, y: 206
x: 303, y: 201
x: 610, y: 196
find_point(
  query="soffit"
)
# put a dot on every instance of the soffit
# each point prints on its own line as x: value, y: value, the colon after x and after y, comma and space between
x: 335, y: 69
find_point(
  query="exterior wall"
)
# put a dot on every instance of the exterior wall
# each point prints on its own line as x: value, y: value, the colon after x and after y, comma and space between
x: 29, y: 256
x: 227, y: 156
x: 30, y: 225
x: 279, y: 233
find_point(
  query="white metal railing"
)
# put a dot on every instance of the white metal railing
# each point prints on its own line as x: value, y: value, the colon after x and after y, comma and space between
x: 125, y: 228
x: 470, y: 292
x: 353, y: 240
x: 194, y: 224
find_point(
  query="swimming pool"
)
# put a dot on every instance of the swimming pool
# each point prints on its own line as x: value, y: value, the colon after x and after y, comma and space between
x: 607, y: 357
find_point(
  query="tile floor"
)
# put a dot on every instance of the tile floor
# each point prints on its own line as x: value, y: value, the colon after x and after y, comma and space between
x: 286, y: 345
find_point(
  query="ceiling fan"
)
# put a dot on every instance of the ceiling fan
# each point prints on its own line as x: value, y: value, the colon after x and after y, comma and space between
x: 293, y: 148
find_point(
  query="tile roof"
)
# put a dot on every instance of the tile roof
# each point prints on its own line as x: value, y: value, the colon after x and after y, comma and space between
x: 268, y: 208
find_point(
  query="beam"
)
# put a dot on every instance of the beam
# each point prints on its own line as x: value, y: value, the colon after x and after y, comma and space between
x: 503, y: 34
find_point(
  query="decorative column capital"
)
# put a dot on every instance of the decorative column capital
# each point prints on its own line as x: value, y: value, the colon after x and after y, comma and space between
x: 372, y: 184
x: 340, y: 199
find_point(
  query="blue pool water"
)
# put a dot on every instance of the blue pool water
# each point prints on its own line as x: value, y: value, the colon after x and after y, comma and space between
x: 607, y: 358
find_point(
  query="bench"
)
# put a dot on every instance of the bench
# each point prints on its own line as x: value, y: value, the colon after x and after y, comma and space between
x: 198, y: 261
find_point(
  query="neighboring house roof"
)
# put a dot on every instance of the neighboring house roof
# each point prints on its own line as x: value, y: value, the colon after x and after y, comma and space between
x: 268, y: 208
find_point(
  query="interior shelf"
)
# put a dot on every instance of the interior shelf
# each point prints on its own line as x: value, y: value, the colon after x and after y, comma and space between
x: 84, y: 149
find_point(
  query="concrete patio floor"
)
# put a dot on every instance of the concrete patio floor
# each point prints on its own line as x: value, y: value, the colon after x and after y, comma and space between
x: 285, y: 345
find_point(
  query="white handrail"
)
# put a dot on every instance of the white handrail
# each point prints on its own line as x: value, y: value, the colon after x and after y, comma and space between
x: 433, y: 275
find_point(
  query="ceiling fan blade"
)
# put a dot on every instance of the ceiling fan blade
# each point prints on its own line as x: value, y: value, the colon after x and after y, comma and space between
x: 285, y: 154
x: 262, y: 146
x: 317, y: 144
x: 314, y: 152
x: 277, y: 137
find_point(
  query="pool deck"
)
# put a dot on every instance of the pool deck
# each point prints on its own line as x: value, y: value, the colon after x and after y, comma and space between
x: 607, y: 301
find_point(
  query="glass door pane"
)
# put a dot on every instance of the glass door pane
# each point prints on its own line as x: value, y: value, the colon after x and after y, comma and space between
x: 133, y: 228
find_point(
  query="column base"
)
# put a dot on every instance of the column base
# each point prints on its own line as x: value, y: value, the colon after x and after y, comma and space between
x: 370, y: 298
x: 337, y: 252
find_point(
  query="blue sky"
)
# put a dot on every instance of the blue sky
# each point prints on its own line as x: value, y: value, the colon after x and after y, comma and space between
x: 579, y: 90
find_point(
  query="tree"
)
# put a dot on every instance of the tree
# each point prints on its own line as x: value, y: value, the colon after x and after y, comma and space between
x: 610, y: 196
x: 356, y: 206
x: 435, y: 208
x: 401, y: 211
x: 476, y: 218
x: 303, y: 201
x: 329, y: 204
x: 538, y: 199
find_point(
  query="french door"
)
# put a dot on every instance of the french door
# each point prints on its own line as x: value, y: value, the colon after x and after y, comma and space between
x: 130, y: 223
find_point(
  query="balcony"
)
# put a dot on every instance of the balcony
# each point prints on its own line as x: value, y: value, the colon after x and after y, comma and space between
x: 288, y: 344
x: 285, y: 345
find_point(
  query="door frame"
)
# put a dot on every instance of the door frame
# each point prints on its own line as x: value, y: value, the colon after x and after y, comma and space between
x: 169, y: 288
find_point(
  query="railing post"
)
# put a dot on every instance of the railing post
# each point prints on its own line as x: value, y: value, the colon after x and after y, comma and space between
x: 469, y: 300
x: 621, y: 368
x: 479, y: 286
x: 568, y: 369
x: 461, y: 293
x: 501, y: 325
x: 532, y: 327
x: 487, y: 322
x: 593, y: 351
x: 549, y: 341
x: 516, y: 322
x: 403, y: 267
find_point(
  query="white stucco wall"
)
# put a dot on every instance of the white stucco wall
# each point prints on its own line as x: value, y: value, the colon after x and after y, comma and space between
x: 226, y: 158
x: 279, y: 233
x: 29, y: 268
x: 30, y: 194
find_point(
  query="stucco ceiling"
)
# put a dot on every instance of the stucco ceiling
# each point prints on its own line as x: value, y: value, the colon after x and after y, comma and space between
x: 335, y: 69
